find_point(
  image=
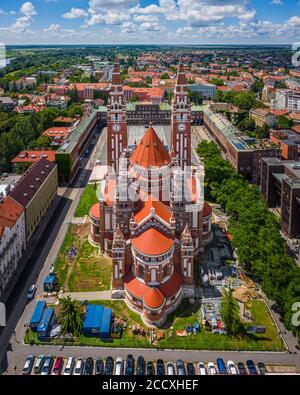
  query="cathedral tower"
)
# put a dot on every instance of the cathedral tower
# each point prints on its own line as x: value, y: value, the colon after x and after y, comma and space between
x: 116, y: 120
x: 181, y: 120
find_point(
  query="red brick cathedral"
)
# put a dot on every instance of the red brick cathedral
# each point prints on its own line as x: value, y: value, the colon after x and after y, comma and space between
x: 151, y: 217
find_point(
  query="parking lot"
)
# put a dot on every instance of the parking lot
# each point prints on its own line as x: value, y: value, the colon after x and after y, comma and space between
x: 50, y: 365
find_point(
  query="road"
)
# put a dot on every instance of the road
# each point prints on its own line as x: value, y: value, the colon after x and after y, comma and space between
x: 42, y: 253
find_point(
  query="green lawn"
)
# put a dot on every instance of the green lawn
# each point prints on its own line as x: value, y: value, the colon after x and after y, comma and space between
x: 87, y: 200
x: 186, y: 314
x: 89, y: 271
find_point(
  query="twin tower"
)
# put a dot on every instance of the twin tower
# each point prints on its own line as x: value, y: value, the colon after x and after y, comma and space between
x: 180, y: 124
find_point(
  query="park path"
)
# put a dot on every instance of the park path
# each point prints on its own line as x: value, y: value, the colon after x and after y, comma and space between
x: 97, y: 295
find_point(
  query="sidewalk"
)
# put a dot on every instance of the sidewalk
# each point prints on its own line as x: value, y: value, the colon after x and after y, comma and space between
x: 100, y: 295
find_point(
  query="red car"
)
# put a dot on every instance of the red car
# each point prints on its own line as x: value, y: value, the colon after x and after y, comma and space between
x: 59, y: 363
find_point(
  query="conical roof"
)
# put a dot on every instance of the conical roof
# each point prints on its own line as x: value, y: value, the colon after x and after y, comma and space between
x: 150, y: 151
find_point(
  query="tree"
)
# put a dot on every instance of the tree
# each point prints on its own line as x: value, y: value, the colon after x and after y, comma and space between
x: 71, y: 316
x: 196, y: 97
x: 165, y: 76
x: 230, y: 313
x: 248, y: 124
x: 217, y: 82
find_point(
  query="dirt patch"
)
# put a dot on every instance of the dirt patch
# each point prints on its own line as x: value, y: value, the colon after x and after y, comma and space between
x: 82, y: 231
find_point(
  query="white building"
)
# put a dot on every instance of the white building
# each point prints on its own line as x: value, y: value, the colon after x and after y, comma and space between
x: 287, y: 99
x: 12, y: 239
x: 208, y: 90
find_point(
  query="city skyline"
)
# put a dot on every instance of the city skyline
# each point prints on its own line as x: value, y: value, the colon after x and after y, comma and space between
x: 150, y: 22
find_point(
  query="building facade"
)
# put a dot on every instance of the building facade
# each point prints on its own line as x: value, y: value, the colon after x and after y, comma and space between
x: 151, y: 218
x: 35, y: 192
x: 12, y: 239
x: 280, y: 187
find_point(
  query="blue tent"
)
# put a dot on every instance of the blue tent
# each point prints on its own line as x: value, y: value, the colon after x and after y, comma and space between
x: 105, y: 324
x: 46, y: 322
x: 37, y: 315
x: 93, y: 319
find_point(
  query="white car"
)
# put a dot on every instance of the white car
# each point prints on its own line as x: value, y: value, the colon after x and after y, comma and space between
x: 231, y: 367
x: 202, y: 369
x: 69, y: 367
x: 170, y: 369
x: 211, y: 368
x: 119, y: 367
x: 79, y: 367
x: 31, y: 292
x: 28, y: 365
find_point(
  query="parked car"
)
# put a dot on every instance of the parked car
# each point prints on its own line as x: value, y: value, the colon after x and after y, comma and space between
x: 251, y: 367
x: 190, y: 369
x: 180, y: 367
x: 160, y: 367
x: 31, y: 292
x: 89, y: 367
x: 211, y: 368
x: 39, y: 364
x: 109, y: 366
x: 119, y: 367
x: 141, y: 366
x: 47, y: 367
x: 150, y: 369
x: 202, y: 369
x: 170, y: 369
x: 58, y: 365
x: 99, y: 367
x: 242, y: 369
x: 69, y: 367
x: 262, y: 368
x: 231, y: 367
x: 28, y: 365
x: 221, y: 366
x: 129, y: 367
x: 79, y: 367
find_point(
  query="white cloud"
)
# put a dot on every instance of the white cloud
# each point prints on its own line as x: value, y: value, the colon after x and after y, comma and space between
x: 277, y: 2
x: 75, y: 13
x: 28, y: 9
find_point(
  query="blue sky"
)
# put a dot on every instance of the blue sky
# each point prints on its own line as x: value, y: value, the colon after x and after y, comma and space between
x: 150, y: 21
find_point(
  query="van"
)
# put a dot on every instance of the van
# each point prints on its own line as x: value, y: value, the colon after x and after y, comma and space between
x: 221, y: 366
x: 39, y: 364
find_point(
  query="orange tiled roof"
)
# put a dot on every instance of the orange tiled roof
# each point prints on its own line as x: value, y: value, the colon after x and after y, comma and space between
x: 207, y: 209
x: 150, y: 151
x: 10, y: 211
x: 57, y: 132
x: 34, y: 156
x: 152, y: 242
x: 139, y: 289
x: 153, y: 298
x: 160, y: 209
x: 95, y: 211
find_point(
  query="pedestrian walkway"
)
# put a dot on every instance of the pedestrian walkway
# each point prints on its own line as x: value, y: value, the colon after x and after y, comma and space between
x: 100, y: 295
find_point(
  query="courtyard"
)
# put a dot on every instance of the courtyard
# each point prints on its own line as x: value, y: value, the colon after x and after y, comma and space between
x: 79, y: 265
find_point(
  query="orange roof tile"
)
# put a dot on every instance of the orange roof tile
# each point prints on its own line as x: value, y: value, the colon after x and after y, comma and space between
x: 139, y: 289
x: 160, y: 209
x: 152, y: 242
x: 34, y: 156
x: 170, y: 287
x: 150, y: 151
x: 207, y: 209
x: 10, y: 211
x: 153, y: 298
x: 95, y: 211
